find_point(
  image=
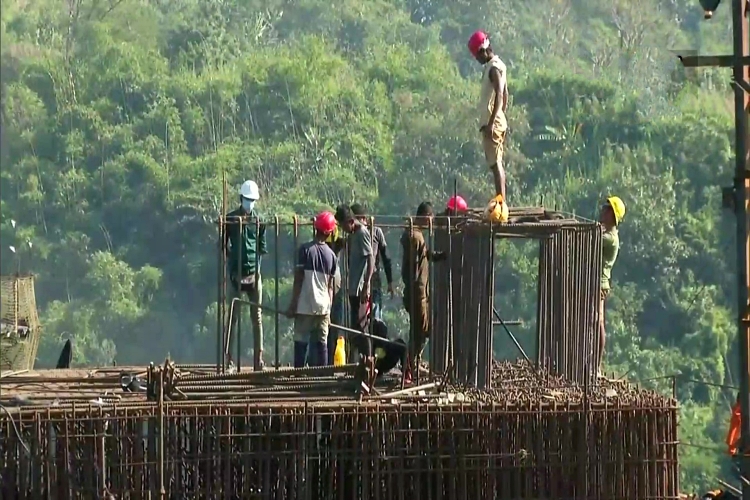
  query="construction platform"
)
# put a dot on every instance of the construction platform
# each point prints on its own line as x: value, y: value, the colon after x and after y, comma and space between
x: 471, y: 428
x: 531, y: 436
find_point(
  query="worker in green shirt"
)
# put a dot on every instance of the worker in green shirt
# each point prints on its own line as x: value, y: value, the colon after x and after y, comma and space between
x: 610, y: 217
x: 244, y: 258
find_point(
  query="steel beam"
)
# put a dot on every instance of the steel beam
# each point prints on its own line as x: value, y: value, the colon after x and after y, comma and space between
x: 743, y: 84
x: 739, y: 61
x: 715, y: 61
x: 740, y: 72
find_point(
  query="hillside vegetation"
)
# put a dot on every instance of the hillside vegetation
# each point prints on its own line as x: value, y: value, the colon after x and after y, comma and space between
x: 121, y: 116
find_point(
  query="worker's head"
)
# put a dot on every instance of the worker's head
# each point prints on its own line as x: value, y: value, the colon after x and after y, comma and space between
x: 346, y: 219
x: 424, y: 213
x: 612, y: 212
x: 324, y: 224
x: 456, y: 206
x: 249, y: 194
x: 359, y: 212
x: 479, y: 47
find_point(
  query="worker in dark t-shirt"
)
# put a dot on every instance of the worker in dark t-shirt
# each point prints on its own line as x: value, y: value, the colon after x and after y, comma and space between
x: 415, y: 275
x: 312, y: 295
x: 380, y: 249
x: 245, y: 238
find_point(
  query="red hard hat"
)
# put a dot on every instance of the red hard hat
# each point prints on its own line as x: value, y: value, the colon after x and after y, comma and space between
x: 479, y: 40
x: 325, y: 222
x: 458, y: 204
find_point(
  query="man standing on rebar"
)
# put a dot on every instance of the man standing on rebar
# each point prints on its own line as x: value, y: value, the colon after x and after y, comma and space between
x: 380, y: 249
x: 361, y: 266
x: 610, y: 216
x: 312, y: 294
x: 493, y: 103
x: 245, y: 249
x: 415, y: 274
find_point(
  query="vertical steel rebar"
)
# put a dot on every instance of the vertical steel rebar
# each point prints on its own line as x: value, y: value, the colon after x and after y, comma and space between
x: 430, y: 294
x: 220, y: 278
x: 295, y: 248
x: 370, y: 323
x: 161, y: 458
x: 257, y: 338
x: 276, y: 253
x: 238, y: 290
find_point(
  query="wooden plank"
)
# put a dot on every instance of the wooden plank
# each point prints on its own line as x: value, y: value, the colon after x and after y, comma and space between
x: 716, y: 61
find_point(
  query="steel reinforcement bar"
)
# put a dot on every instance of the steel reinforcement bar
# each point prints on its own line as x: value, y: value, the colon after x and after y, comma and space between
x: 284, y: 234
x: 570, y: 267
x: 342, y: 451
x: 567, y: 307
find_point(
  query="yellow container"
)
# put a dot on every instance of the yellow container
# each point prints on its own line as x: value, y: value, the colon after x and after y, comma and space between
x: 339, y: 355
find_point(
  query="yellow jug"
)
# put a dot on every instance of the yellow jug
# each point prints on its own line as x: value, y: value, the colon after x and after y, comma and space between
x: 339, y: 355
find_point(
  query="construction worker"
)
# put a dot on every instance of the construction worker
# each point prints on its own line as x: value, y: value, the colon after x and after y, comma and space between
x: 456, y: 206
x: 312, y: 294
x: 493, y: 103
x: 361, y: 260
x: 247, y: 246
x: 610, y: 216
x: 337, y: 242
x: 734, y: 432
x: 415, y: 274
x: 380, y: 249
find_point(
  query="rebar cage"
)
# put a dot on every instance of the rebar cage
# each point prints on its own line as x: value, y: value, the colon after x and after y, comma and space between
x: 567, y: 306
x: 491, y: 430
x: 461, y: 292
x: 311, y: 451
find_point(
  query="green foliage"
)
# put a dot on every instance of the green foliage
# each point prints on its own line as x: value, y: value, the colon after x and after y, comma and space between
x: 120, y: 119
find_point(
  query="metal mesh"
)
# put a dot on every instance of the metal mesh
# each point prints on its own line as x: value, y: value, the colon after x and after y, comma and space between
x: 570, y: 268
x: 345, y: 451
x: 19, y: 340
x: 568, y: 299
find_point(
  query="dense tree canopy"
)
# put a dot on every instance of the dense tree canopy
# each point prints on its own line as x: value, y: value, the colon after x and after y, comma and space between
x: 121, y: 117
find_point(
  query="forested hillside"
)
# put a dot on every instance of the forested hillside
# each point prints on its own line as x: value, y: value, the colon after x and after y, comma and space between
x: 121, y: 116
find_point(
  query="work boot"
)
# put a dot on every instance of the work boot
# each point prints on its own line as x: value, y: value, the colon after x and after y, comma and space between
x: 300, y: 353
x: 320, y: 350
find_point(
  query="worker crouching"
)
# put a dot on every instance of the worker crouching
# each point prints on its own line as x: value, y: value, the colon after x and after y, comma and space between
x: 312, y: 295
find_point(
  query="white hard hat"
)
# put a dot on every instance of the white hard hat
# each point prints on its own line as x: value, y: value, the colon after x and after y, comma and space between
x: 249, y: 190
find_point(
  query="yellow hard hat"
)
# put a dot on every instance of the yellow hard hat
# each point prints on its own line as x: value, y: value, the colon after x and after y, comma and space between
x: 333, y: 236
x: 618, y: 207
